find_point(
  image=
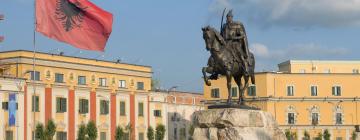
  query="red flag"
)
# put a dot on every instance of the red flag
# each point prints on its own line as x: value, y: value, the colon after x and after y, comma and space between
x: 76, y: 22
x: 1, y: 38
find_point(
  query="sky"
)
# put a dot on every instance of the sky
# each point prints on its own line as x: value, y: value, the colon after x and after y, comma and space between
x: 166, y: 34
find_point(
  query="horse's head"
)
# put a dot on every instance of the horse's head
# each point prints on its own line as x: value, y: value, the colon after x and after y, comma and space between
x: 213, y: 39
x: 208, y: 37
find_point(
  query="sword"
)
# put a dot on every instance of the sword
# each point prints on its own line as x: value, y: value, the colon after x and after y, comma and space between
x: 222, y: 19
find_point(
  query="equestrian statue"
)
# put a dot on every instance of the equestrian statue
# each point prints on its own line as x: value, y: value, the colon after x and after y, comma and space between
x: 230, y: 56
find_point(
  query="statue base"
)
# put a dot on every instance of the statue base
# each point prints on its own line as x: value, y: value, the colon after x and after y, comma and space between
x: 235, y: 124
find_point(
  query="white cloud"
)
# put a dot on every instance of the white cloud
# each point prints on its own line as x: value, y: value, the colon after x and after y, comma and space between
x: 259, y: 50
x: 296, y: 13
x: 267, y: 58
x: 297, y: 51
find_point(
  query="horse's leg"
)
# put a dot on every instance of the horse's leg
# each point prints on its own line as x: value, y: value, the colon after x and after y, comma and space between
x: 246, y: 85
x: 239, y: 84
x: 206, y: 78
x: 228, y: 81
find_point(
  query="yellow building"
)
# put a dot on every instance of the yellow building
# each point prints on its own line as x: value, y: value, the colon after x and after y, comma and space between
x: 304, y: 96
x: 73, y: 91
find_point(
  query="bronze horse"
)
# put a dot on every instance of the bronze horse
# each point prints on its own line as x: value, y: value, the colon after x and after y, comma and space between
x: 223, y: 62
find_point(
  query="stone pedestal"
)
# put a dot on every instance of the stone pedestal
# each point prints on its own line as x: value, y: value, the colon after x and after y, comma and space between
x: 235, y: 124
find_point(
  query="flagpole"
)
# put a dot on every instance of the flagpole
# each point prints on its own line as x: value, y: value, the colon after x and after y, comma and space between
x: 33, y: 74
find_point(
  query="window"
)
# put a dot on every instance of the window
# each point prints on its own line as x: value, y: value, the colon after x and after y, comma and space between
x: 313, y: 90
x: 234, y: 92
x: 83, y: 106
x: 141, y: 136
x: 104, y: 107
x: 252, y: 90
x: 102, y: 135
x: 59, y: 78
x: 157, y: 113
x: 290, y: 90
x: 140, y: 85
x: 182, y: 133
x: 60, y: 105
x: 9, y: 135
x: 122, y: 84
x: 81, y: 80
x: 61, y: 135
x: 102, y: 82
x: 338, y: 138
x: 141, y: 109
x: 338, y: 118
x: 37, y: 75
x: 5, y: 105
x: 355, y: 71
x: 175, y: 133
x: 122, y: 108
x: 291, y: 118
x: 314, y: 118
x: 35, y: 104
x: 215, y: 93
x: 336, y: 90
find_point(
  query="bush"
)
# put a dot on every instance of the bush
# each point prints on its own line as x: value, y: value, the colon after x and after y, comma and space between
x: 160, y: 132
x: 319, y: 137
x: 91, y: 130
x: 47, y: 133
x: 119, y: 134
x: 306, y: 136
x: 326, y: 135
x: 82, y: 132
x: 150, y: 133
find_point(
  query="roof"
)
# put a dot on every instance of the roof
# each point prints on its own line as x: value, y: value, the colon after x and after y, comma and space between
x: 320, y: 61
x: 74, y: 57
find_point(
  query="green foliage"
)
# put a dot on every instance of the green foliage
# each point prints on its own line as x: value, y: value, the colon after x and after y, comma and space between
x: 191, y: 131
x: 290, y: 135
x: 128, y: 128
x: 119, y: 133
x: 150, y: 133
x: 82, y: 132
x: 160, y: 132
x: 353, y: 135
x: 306, y: 136
x: 46, y: 133
x: 319, y: 137
x: 39, y: 132
x: 50, y: 129
x: 326, y: 135
x: 92, y: 130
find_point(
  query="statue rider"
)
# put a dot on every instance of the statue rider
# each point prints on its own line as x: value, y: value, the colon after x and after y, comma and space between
x: 234, y: 35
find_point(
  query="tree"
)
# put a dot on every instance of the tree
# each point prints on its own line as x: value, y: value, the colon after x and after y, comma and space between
x: 191, y: 131
x: 290, y: 135
x: 319, y: 137
x: 91, y: 130
x: 160, y: 132
x: 119, y: 133
x: 50, y: 129
x: 39, y: 132
x: 82, y: 132
x: 128, y: 128
x: 326, y: 135
x: 353, y: 135
x: 150, y: 133
x: 306, y: 136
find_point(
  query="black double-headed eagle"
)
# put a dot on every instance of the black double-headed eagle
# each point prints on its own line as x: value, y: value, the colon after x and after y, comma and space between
x: 69, y: 14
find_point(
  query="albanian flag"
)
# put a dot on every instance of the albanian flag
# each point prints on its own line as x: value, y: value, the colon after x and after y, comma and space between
x: 79, y: 23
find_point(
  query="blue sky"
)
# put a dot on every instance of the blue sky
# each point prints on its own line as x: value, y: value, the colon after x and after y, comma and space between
x: 166, y: 34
